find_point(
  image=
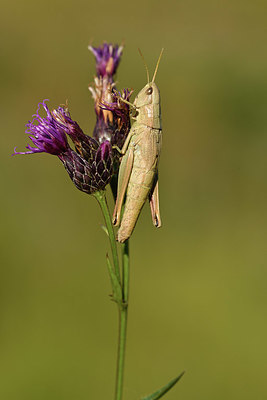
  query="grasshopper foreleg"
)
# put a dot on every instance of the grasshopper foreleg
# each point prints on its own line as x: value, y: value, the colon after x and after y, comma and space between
x: 126, y: 144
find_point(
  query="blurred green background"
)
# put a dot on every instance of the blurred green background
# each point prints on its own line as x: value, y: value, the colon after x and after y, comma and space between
x: 198, y: 293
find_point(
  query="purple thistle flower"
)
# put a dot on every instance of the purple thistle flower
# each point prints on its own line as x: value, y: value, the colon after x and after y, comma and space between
x: 46, y: 134
x: 92, y: 169
x: 107, y: 58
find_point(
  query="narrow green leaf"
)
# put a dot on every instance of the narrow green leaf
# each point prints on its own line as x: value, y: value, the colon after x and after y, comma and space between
x: 105, y: 229
x: 116, y: 287
x: 159, y: 393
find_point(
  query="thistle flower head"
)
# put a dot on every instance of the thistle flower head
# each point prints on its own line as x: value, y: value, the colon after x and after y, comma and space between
x: 107, y: 58
x: 90, y: 168
x: 46, y: 134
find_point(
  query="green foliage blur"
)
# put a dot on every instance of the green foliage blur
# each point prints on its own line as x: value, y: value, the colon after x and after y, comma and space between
x: 198, y: 291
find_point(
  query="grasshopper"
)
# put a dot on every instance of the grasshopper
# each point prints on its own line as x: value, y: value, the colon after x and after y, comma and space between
x: 138, y: 173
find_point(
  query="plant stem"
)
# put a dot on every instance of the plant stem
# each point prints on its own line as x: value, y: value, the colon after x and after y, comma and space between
x: 123, y: 314
x: 125, y: 270
x: 124, y: 284
x: 121, y: 353
x: 101, y: 198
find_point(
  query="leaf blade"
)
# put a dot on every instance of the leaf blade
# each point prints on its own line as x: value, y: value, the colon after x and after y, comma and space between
x: 160, y: 392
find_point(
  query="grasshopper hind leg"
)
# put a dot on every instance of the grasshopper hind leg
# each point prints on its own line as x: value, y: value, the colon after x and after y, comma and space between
x: 124, y: 176
x: 154, y: 203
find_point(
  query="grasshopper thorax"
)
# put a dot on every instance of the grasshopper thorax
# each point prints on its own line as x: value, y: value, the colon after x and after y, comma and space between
x: 147, y: 104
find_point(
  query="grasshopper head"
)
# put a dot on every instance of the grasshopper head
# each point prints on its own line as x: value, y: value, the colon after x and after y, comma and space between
x: 149, y: 95
x: 147, y: 102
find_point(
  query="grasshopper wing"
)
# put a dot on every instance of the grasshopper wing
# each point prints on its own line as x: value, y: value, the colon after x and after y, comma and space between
x: 124, y: 176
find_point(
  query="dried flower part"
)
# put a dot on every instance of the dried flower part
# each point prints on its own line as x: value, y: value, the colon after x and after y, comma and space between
x: 102, y: 92
x: 122, y: 125
x: 107, y: 58
x: 85, y: 145
x: 46, y: 134
x: 121, y: 114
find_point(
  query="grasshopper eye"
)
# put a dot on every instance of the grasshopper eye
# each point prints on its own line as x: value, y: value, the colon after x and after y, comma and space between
x: 149, y: 90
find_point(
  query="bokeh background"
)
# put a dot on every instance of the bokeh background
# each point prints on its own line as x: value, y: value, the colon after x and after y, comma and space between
x: 198, y: 285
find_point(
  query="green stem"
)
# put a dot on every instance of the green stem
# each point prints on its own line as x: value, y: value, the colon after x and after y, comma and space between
x: 101, y: 198
x: 125, y: 270
x: 121, y: 352
x: 123, y: 314
x: 124, y: 284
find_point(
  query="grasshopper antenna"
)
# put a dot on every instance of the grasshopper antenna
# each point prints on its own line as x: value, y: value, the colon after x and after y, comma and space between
x: 143, y: 58
x: 156, y: 69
